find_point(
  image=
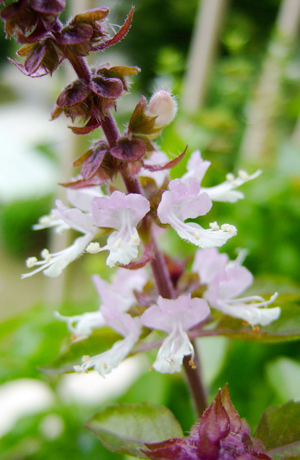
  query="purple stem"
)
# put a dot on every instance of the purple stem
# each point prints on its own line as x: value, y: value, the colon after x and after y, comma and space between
x: 80, y: 66
x: 195, y: 383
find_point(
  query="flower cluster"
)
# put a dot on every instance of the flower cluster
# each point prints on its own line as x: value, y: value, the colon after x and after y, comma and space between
x: 127, y: 215
x: 126, y: 219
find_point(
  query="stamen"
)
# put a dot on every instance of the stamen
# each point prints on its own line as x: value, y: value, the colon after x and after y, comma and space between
x: 104, y: 365
x: 192, y: 364
x: 93, y: 248
x: 135, y: 239
x: 229, y: 228
x: 30, y: 262
x: 230, y: 177
x: 45, y: 220
x: 196, y: 235
x: 46, y: 255
x: 214, y: 226
x: 118, y: 243
x: 85, y: 358
x: 243, y: 175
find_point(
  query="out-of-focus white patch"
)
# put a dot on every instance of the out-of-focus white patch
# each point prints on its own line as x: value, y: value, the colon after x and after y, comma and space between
x: 52, y: 426
x: 24, y: 171
x: 22, y: 397
x: 91, y: 388
x: 284, y: 376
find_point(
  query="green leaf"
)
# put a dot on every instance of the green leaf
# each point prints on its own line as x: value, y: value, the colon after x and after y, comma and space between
x: 125, y: 428
x: 285, y: 328
x: 72, y: 352
x: 279, y: 430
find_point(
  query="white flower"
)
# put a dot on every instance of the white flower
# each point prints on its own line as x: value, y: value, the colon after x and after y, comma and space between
x: 227, y: 280
x: 118, y: 294
x: 123, y: 213
x: 197, y: 167
x: 127, y: 326
x: 184, y: 201
x: 81, y: 326
x: 53, y: 264
x: 81, y: 198
x: 175, y: 316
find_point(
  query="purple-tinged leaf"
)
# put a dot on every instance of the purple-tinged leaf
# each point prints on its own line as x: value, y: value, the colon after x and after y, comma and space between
x: 140, y: 123
x: 170, y: 450
x: 234, y: 418
x: 109, y: 88
x: 98, y: 179
x: 38, y: 33
x: 120, y: 72
x: 129, y: 150
x: 92, y: 163
x: 12, y: 10
x: 75, y: 35
x: 39, y: 73
x: 214, y: 426
x: 92, y: 15
x: 119, y: 35
x: 88, y: 128
x: 124, y: 71
x: 53, y: 7
x: 35, y: 58
x: 100, y: 145
x: 56, y: 112
x: 170, y: 164
x: 73, y: 94
x: 125, y: 428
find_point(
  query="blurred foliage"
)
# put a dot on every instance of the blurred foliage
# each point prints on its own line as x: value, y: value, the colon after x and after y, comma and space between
x: 16, y: 220
x: 159, y: 39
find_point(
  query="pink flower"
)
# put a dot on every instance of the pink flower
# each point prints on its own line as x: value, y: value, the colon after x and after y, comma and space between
x: 228, y: 280
x: 175, y: 317
x: 118, y: 294
x: 184, y: 201
x: 63, y: 218
x: 123, y: 213
x: 197, y: 167
x: 127, y: 326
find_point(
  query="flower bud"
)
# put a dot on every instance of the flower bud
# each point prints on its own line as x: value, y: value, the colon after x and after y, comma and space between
x: 163, y: 106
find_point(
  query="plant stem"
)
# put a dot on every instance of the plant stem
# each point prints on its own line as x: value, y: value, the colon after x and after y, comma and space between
x: 80, y: 66
x: 160, y: 272
x: 195, y: 382
x: 110, y: 130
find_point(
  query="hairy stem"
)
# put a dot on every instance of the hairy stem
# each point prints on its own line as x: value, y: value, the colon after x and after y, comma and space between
x: 110, y: 130
x: 80, y: 66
